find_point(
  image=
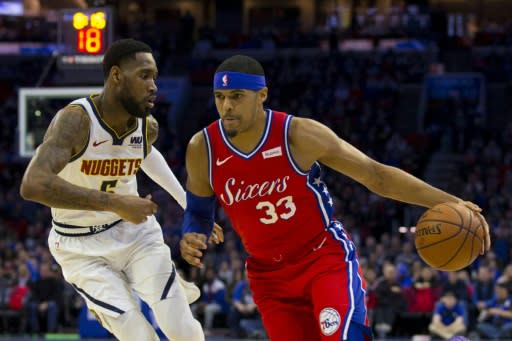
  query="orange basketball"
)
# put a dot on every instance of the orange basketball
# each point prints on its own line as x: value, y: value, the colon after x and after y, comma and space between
x: 449, y: 236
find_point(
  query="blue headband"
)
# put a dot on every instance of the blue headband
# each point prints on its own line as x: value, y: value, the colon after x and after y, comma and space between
x: 229, y: 80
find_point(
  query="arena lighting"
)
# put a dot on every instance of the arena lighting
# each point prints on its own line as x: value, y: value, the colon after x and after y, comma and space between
x: 405, y: 229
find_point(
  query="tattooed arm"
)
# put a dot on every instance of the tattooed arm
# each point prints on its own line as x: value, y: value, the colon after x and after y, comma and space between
x: 67, y: 134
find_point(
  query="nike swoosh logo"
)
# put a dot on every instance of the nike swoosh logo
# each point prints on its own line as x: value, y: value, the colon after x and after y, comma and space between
x: 96, y: 143
x: 221, y: 162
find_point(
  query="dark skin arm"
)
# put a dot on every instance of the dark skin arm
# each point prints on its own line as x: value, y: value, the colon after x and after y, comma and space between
x: 217, y: 235
x: 312, y: 141
x: 67, y: 135
x: 197, y: 182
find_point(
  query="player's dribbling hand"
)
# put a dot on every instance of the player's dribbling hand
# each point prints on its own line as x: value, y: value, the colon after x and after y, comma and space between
x: 217, y: 235
x: 477, y: 211
x: 134, y: 209
x: 191, y: 245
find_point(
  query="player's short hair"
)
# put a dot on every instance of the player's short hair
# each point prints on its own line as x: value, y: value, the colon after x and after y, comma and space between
x: 120, y: 50
x: 243, y: 64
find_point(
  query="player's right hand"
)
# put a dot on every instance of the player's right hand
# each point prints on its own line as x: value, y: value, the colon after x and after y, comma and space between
x: 487, y: 235
x: 191, y: 245
x: 135, y: 209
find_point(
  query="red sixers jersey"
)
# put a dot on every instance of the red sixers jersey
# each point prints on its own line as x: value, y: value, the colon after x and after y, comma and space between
x: 279, y: 210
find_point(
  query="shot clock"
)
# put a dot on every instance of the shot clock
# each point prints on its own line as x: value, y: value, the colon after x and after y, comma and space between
x: 85, y: 31
x: 89, y: 32
x: 84, y: 35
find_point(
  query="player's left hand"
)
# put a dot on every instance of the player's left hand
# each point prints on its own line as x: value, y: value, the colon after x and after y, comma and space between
x: 217, y: 235
x: 477, y: 211
x: 192, y: 246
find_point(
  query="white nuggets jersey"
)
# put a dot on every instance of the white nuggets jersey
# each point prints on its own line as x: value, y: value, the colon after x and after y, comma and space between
x: 108, y: 162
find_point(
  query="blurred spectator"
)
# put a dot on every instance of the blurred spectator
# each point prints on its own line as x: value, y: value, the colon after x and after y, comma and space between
x: 456, y: 286
x: 483, y: 292
x: 506, y: 277
x: 495, y: 322
x: 408, y: 255
x: 448, y: 319
x: 370, y: 277
x: 45, y: 300
x: 20, y: 292
x: 425, y: 292
x: 213, y: 300
x: 5, y: 288
x: 225, y: 273
x: 244, y: 318
x: 390, y: 300
x: 404, y: 277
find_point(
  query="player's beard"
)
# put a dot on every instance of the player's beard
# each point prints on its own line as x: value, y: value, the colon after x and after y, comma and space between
x: 131, y: 106
x: 231, y: 133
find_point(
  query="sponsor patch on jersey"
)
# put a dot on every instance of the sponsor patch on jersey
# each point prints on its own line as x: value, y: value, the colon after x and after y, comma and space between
x: 330, y: 321
x: 274, y: 152
x: 136, y: 141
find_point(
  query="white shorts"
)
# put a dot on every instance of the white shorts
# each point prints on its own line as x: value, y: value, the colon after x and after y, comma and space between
x: 108, y: 267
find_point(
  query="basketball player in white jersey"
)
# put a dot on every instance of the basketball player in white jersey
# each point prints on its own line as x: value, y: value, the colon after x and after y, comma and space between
x: 104, y: 235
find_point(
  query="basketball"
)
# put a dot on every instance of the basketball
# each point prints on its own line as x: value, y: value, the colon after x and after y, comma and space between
x: 449, y: 236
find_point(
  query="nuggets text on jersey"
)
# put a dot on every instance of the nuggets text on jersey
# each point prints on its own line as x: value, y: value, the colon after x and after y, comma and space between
x: 110, y: 167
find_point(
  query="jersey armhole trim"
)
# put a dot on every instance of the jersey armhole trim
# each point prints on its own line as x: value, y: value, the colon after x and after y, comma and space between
x: 294, y: 165
x: 209, y: 152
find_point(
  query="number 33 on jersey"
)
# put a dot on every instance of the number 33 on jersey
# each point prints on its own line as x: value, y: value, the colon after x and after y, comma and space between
x: 265, y: 194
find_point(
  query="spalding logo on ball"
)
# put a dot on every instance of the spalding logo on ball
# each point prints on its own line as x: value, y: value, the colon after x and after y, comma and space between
x: 449, y: 236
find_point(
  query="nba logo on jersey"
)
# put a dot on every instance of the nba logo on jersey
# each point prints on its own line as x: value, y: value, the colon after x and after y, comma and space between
x: 329, y: 321
x: 225, y: 80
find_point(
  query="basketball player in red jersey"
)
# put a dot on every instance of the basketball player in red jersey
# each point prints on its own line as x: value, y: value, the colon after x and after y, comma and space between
x: 263, y: 166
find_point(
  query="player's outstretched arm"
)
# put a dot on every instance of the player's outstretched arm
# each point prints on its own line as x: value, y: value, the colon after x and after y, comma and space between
x: 67, y: 135
x: 312, y: 141
x: 155, y: 166
x: 198, y: 220
x: 309, y: 137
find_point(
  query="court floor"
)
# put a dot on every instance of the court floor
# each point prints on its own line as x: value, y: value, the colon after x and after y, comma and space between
x: 220, y: 336
x: 210, y: 338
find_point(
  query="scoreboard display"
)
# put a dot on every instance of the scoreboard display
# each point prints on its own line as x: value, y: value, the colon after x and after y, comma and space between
x: 85, y: 31
x: 84, y: 36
